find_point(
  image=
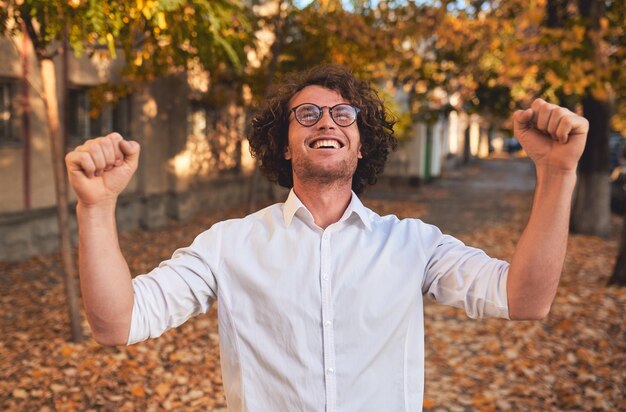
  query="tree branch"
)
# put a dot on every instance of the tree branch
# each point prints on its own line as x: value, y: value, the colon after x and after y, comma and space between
x: 37, y: 91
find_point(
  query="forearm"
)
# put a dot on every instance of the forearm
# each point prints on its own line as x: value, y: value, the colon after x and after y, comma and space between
x: 538, y: 260
x: 105, y: 278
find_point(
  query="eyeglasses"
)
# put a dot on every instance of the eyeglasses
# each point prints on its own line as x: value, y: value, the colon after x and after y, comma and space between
x: 308, y: 114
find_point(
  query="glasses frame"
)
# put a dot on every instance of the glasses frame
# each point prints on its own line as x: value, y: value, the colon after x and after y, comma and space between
x: 321, y: 111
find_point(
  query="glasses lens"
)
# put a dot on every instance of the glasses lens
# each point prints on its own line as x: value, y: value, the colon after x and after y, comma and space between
x: 308, y: 114
x: 344, y: 114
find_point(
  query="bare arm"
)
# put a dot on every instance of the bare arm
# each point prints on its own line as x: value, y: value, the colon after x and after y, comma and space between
x: 98, y: 171
x: 554, y: 138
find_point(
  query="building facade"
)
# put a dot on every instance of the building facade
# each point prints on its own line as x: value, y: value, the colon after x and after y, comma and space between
x: 193, y: 158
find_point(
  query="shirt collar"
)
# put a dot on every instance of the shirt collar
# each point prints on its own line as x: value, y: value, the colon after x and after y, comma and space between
x: 293, y: 204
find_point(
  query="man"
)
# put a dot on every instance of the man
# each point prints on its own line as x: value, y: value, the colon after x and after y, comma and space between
x: 319, y: 298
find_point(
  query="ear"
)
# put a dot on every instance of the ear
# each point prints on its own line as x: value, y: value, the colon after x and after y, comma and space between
x: 287, y: 153
x: 359, y: 154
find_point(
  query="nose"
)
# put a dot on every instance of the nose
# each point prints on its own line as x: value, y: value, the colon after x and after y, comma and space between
x: 325, y: 122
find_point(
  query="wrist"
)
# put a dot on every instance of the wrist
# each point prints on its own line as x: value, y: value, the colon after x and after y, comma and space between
x: 100, y: 210
x: 563, y: 178
x: 557, y: 172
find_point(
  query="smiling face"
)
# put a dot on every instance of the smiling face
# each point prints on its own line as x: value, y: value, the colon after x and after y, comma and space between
x: 325, y: 152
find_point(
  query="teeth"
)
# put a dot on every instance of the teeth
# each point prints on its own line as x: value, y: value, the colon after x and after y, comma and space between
x: 326, y: 143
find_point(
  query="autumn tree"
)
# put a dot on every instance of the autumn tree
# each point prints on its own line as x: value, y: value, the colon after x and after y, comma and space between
x: 580, y: 47
x: 453, y: 55
x: 615, y: 11
x: 152, y: 36
x: 575, y: 43
x: 322, y: 32
x: 294, y: 38
x: 571, y: 52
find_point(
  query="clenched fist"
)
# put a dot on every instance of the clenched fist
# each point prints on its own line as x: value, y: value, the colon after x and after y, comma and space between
x: 553, y: 136
x: 101, y: 168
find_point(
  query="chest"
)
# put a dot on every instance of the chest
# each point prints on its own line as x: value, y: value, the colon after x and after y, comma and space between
x: 294, y: 275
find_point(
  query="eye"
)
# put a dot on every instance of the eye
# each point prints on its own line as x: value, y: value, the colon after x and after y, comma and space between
x: 343, y: 112
x: 308, y: 113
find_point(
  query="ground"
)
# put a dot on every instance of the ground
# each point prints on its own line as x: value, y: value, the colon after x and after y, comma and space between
x: 573, y: 360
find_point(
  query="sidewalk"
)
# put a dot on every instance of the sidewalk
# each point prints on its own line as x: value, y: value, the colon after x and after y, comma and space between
x: 468, y: 197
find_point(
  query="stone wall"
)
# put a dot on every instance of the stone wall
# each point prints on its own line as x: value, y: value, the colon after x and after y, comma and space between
x: 28, y: 233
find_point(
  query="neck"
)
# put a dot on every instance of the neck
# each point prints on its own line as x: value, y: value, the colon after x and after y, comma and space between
x: 327, y: 203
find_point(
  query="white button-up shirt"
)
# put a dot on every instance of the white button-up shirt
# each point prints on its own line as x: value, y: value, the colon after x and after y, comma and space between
x: 313, y: 319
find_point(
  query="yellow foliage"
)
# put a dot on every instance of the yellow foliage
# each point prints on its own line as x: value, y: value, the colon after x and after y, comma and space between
x: 161, y: 20
x: 552, y: 78
x: 579, y: 33
x: 421, y: 87
x: 111, y: 44
x: 138, y: 59
x: 535, y: 14
x: 569, y: 45
x: 417, y: 61
x: 604, y: 23
x: 599, y: 92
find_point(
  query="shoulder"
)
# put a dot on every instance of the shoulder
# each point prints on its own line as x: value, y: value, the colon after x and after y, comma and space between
x: 409, y: 230
x: 264, y: 218
x: 393, y: 222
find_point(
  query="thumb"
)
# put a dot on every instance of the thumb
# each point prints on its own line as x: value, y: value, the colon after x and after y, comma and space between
x: 522, y: 121
x: 130, y: 149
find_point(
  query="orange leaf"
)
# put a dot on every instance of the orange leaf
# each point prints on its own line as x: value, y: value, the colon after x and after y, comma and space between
x: 564, y: 325
x: 20, y: 393
x: 66, y: 351
x: 138, y: 391
x: 162, y: 389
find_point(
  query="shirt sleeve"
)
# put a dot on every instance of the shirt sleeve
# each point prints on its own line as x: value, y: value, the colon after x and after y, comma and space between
x: 178, y: 289
x: 466, y: 278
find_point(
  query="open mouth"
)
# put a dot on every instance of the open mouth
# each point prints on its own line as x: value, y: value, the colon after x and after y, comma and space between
x: 326, y: 144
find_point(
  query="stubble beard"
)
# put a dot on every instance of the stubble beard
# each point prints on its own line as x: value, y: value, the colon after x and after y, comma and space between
x: 340, y: 172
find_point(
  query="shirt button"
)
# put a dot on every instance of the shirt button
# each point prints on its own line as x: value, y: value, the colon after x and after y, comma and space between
x: 328, y: 323
x: 330, y: 371
x: 325, y: 276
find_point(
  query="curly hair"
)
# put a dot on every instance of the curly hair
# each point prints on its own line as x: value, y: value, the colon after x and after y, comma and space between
x: 270, y: 126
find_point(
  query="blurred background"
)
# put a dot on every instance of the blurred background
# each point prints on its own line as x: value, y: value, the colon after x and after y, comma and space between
x: 184, y: 78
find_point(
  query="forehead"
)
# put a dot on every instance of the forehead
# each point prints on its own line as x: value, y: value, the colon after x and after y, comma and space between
x: 319, y: 95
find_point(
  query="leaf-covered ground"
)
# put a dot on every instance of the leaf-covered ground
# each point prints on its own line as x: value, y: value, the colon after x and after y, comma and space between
x: 573, y: 360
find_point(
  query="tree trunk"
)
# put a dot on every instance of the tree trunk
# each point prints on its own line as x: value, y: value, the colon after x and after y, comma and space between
x: 591, y: 212
x: 26, y: 113
x: 276, y: 50
x: 619, y: 271
x: 467, y: 151
x: 48, y: 76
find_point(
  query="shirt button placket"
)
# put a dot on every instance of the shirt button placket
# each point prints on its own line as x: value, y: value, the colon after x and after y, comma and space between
x: 327, y: 330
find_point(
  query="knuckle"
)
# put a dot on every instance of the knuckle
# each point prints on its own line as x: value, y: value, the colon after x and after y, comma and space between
x: 89, y: 144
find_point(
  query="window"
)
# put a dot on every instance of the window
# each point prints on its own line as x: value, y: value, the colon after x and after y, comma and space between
x: 120, y: 116
x: 9, y: 114
x: 81, y: 126
x: 78, y: 122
